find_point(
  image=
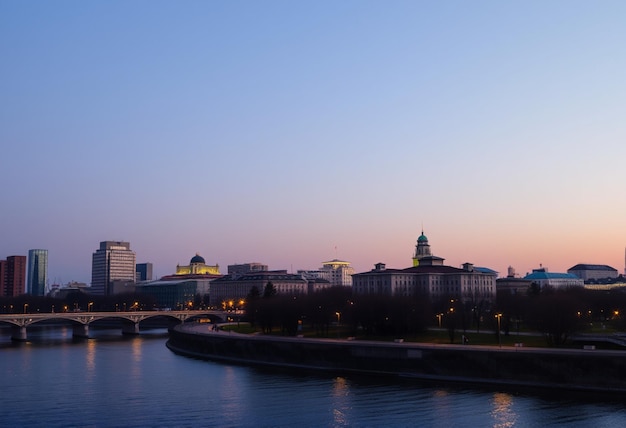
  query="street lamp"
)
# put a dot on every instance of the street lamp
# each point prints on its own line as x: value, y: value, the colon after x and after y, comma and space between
x: 499, y: 317
x: 439, y: 316
x: 25, y: 307
x: 89, y: 305
x: 338, y: 322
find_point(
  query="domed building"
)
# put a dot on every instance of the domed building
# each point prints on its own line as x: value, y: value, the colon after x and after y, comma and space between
x: 181, y: 289
x: 197, y: 266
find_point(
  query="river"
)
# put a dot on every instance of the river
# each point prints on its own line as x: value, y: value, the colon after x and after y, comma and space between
x: 116, y: 381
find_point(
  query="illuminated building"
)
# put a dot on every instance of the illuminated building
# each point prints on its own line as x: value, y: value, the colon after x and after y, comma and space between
x: 37, y: 272
x: 13, y: 276
x: 337, y: 272
x: 197, y: 266
x: 178, y: 290
x: 112, y: 262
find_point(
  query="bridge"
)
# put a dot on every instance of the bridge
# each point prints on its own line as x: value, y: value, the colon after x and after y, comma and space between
x: 81, y: 320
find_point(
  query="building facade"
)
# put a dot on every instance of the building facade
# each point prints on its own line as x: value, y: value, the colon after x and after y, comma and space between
x: 237, y: 287
x: 143, y: 272
x: 37, y: 272
x: 543, y: 278
x: 240, y: 269
x: 588, y: 272
x: 175, y: 294
x: 428, y: 277
x: 197, y: 266
x: 13, y: 276
x: 431, y: 278
x: 113, y: 261
x: 337, y: 272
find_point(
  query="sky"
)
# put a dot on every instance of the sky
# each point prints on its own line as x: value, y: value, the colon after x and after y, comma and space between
x: 292, y: 133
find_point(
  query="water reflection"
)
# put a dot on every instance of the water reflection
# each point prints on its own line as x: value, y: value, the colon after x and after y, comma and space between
x: 90, y: 360
x: 341, y: 402
x: 502, y: 413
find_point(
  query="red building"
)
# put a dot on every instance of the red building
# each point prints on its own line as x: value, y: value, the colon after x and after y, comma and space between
x: 13, y: 276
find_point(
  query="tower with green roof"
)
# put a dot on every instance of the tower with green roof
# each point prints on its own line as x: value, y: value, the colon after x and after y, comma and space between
x: 422, y: 249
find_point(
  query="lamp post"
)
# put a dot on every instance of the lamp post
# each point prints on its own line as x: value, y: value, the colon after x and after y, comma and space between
x: 439, y: 316
x: 499, y: 317
x: 338, y: 322
x: 25, y: 307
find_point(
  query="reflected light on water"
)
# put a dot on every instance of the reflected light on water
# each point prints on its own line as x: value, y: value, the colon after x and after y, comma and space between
x: 502, y: 412
x: 341, y: 401
x: 90, y: 360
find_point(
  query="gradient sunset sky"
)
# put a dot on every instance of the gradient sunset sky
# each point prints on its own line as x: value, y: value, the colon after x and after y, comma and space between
x: 294, y: 132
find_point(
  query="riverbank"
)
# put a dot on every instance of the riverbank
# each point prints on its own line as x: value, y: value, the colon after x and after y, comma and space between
x: 567, y: 369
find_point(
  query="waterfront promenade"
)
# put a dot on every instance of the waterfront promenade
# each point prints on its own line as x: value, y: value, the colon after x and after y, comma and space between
x: 547, y: 368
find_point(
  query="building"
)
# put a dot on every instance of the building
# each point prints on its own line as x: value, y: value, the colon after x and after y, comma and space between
x: 422, y: 249
x: 428, y: 277
x: 544, y: 278
x: 237, y: 287
x: 240, y: 269
x: 337, y: 272
x: 175, y: 294
x: 178, y: 290
x: 113, y: 261
x: 13, y: 276
x: 513, y: 284
x: 197, y: 266
x: 143, y: 272
x: 37, y: 272
x: 588, y: 272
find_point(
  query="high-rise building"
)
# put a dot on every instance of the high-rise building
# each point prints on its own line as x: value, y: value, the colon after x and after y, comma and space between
x: 113, y: 261
x: 13, y: 276
x: 143, y: 272
x: 37, y: 272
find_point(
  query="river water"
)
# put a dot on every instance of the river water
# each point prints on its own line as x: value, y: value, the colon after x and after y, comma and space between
x: 116, y: 381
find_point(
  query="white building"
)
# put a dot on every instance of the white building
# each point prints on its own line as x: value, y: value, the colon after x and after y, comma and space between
x: 544, y: 278
x: 337, y: 272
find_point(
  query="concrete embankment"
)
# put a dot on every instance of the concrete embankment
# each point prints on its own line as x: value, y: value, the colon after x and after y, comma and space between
x: 572, y: 369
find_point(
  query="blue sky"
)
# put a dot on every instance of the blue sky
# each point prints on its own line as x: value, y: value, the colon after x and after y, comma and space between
x: 275, y: 131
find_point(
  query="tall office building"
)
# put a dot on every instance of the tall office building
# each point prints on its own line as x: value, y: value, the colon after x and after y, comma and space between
x: 37, y: 272
x: 113, y: 261
x: 13, y: 276
x: 143, y: 272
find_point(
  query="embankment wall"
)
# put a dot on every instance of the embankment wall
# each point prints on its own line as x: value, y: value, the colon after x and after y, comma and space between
x: 587, y: 370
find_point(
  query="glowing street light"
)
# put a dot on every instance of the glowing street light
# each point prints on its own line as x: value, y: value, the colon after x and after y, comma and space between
x: 25, y: 307
x: 499, y: 317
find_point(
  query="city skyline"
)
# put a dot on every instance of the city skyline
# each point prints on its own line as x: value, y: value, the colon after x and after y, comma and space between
x: 277, y: 131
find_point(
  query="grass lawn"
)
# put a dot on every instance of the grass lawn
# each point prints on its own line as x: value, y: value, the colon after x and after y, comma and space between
x: 430, y: 336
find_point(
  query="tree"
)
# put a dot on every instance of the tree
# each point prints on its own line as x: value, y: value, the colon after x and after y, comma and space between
x: 270, y: 290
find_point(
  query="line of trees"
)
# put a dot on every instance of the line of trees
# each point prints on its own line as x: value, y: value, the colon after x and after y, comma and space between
x: 556, y: 313
x: 372, y: 315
